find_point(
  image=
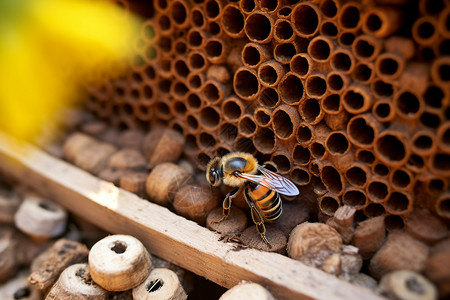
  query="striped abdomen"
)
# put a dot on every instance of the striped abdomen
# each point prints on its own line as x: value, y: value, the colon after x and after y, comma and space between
x: 268, y: 202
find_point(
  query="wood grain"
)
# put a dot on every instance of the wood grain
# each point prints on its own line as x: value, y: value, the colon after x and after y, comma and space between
x: 165, y: 234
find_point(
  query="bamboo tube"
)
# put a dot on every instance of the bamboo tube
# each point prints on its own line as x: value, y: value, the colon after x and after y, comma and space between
x: 394, y: 223
x: 304, y: 133
x: 391, y: 148
x: 436, y: 97
x: 440, y: 70
x: 305, y: 19
x: 233, y: 21
x: 332, y: 179
x: 318, y: 150
x: 232, y: 109
x: 161, y: 6
x: 382, y: 89
x: 244, y: 144
x: 424, y: 142
x: 443, y: 27
x: 180, y: 68
x: 357, y: 174
x: 357, y: 99
x: 213, y: 9
x: 262, y: 117
x: 314, y: 169
x: 373, y: 210
x: 389, y: 66
x: 337, y: 81
x: 378, y: 190
x: 320, y: 48
x: 380, y: 169
x: 342, y: 60
x: 197, y: 61
x: 195, y: 82
x: 301, y: 64
x: 365, y: 156
x: 329, y: 204
x: 282, y: 160
x: 284, y: 119
x: 213, y: 91
x: 259, y: 27
x: 264, y: 140
x: 383, y: 111
x: 194, y: 102
x: 438, y: 164
x: 424, y: 30
x: 399, y: 203
x: 214, y: 28
x: 366, y: 47
x: 337, y: 143
x: 363, y: 129
x: 178, y: 108
x: 408, y: 105
x: 248, y: 6
x: 164, y: 25
x: 178, y: 90
x: 316, y: 85
x: 246, y: 84
x: 427, y: 7
x: 363, y: 72
x: 382, y: 21
x: 196, y: 38
x: 227, y: 132
x: 283, y: 52
x: 442, y: 205
x: 349, y: 16
x: 331, y: 104
x: 311, y: 111
x: 284, y: 12
x: 329, y: 28
x: 346, y: 38
x: 425, y: 226
x: 254, y: 54
x: 179, y: 12
x: 215, y: 50
x: 416, y: 163
x: 206, y: 141
x: 164, y: 67
x: 192, y: 122
x: 197, y: 17
x: 336, y: 121
x: 246, y: 126
x: 270, y: 73
x: 283, y: 32
x: 291, y: 88
x: 329, y: 8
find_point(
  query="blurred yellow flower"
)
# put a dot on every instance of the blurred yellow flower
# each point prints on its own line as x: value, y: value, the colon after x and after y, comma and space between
x: 48, y: 48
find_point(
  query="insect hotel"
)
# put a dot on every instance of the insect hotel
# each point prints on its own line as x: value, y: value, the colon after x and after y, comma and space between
x: 268, y: 149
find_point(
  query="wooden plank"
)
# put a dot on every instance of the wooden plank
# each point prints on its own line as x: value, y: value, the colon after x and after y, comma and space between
x: 166, y: 234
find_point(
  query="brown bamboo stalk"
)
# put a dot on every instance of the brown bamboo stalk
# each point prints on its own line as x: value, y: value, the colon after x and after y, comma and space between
x: 383, y: 111
x: 198, y: 18
x: 301, y: 155
x: 283, y: 161
x: 196, y: 38
x: 331, y: 104
x: 424, y: 30
x: 316, y: 85
x: 365, y: 156
x: 269, y: 98
x: 210, y: 117
x: 364, y: 72
x: 399, y: 203
x: 382, y: 89
x: 332, y: 179
x: 192, y: 122
x: 442, y: 205
x: 161, y: 6
x: 337, y: 144
x: 378, y: 189
x: 357, y: 99
x: 382, y: 21
x: 262, y: 117
x: 228, y: 132
x: 253, y: 54
x: 206, y: 142
x: 310, y: 111
x: 213, y: 9
x: 248, y: 6
x: 357, y: 174
x: 193, y: 102
x: 197, y: 61
x: 440, y: 70
x: 291, y: 88
x: 337, y: 121
x: 408, y: 105
x: 284, y: 12
x: 259, y: 27
x: 216, y: 50
x: 349, y: 16
x: 402, y: 179
x: 264, y: 140
x: 346, y: 38
x: 305, y: 19
x: 246, y: 126
x: 342, y: 60
x: 246, y: 83
x: 443, y: 27
x: 355, y: 197
x: 390, y: 147
x: 283, y: 32
x: 329, y: 28
x: 424, y: 142
x: 380, y: 169
x: 283, y: 52
x: 179, y: 12
x: 366, y: 47
x: 301, y: 64
x: 195, y: 81
x: 389, y: 66
x: 164, y: 25
x: 232, y: 109
x: 178, y: 90
x: 320, y: 48
x: 300, y: 176
x: 329, y: 204
x: 180, y: 68
x: 438, y: 163
x: 304, y: 133
x: 337, y: 81
x: 270, y: 73
x: 284, y: 119
x: 233, y: 21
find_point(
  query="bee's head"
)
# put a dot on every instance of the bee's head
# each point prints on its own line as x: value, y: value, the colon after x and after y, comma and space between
x: 214, y: 172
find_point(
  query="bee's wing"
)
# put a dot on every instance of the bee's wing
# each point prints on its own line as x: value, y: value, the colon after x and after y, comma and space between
x: 272, y: 181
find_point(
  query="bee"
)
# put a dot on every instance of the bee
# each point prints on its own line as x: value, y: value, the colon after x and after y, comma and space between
x: 261, y: 187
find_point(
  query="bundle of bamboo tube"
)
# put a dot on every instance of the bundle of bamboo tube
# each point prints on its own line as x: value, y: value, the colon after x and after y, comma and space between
x: 350, y: 99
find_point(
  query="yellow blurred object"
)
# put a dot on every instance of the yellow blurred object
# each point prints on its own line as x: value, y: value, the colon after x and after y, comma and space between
x: 48, y: 48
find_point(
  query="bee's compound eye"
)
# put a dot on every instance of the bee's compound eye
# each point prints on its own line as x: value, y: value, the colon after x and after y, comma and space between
x: 212, y: 176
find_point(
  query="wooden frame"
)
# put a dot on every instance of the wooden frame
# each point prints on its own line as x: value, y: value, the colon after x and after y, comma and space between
x: 164, y: 233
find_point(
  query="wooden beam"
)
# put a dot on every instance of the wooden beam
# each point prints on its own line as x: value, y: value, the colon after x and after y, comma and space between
x: 164, y: 233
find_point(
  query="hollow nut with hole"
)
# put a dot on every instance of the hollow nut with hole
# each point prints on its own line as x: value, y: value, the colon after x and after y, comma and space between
x: 161, y: 284
x: 407, y: 285
x: 369, y: 236
x: 18, y: 287
x: 40, y: 218
x: 163, y: 145
x: 75, y: 282
x: 247, y: 290
x: 119, y: 263
x: 46, y: 268
x: 195, y: 202
x: 399, y: 252
x: 164, y: 181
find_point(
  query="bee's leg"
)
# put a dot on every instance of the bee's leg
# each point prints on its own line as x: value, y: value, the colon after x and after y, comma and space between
x: 258, y: 220
x: 226, y: 204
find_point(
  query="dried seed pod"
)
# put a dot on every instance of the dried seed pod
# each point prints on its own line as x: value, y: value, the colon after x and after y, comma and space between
x: 407, y: 285
x: 18, y: 287
x: 251, y: 238
x: 40, y: 218
x: 9, y: 203
x: 311, y: 238
x: 194, y: 202
x: 164, y: 181
x: 247, y: 290
x: 75, y: 282
x: 161, y: 284
x: 163, y: 145
x: 236, y: 222
x: 332, y: 264
x: 47, y: 267
x: 399, y: 252
x: 425, y: 227
x: 8, y: 262
x: 369, y: 236
x: 119, y: 263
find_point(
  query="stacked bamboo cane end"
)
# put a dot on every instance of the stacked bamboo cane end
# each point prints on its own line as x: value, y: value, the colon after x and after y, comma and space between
x: 349, y: 99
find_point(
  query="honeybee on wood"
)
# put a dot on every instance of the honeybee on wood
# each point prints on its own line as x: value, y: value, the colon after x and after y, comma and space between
x: 261, y: 187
